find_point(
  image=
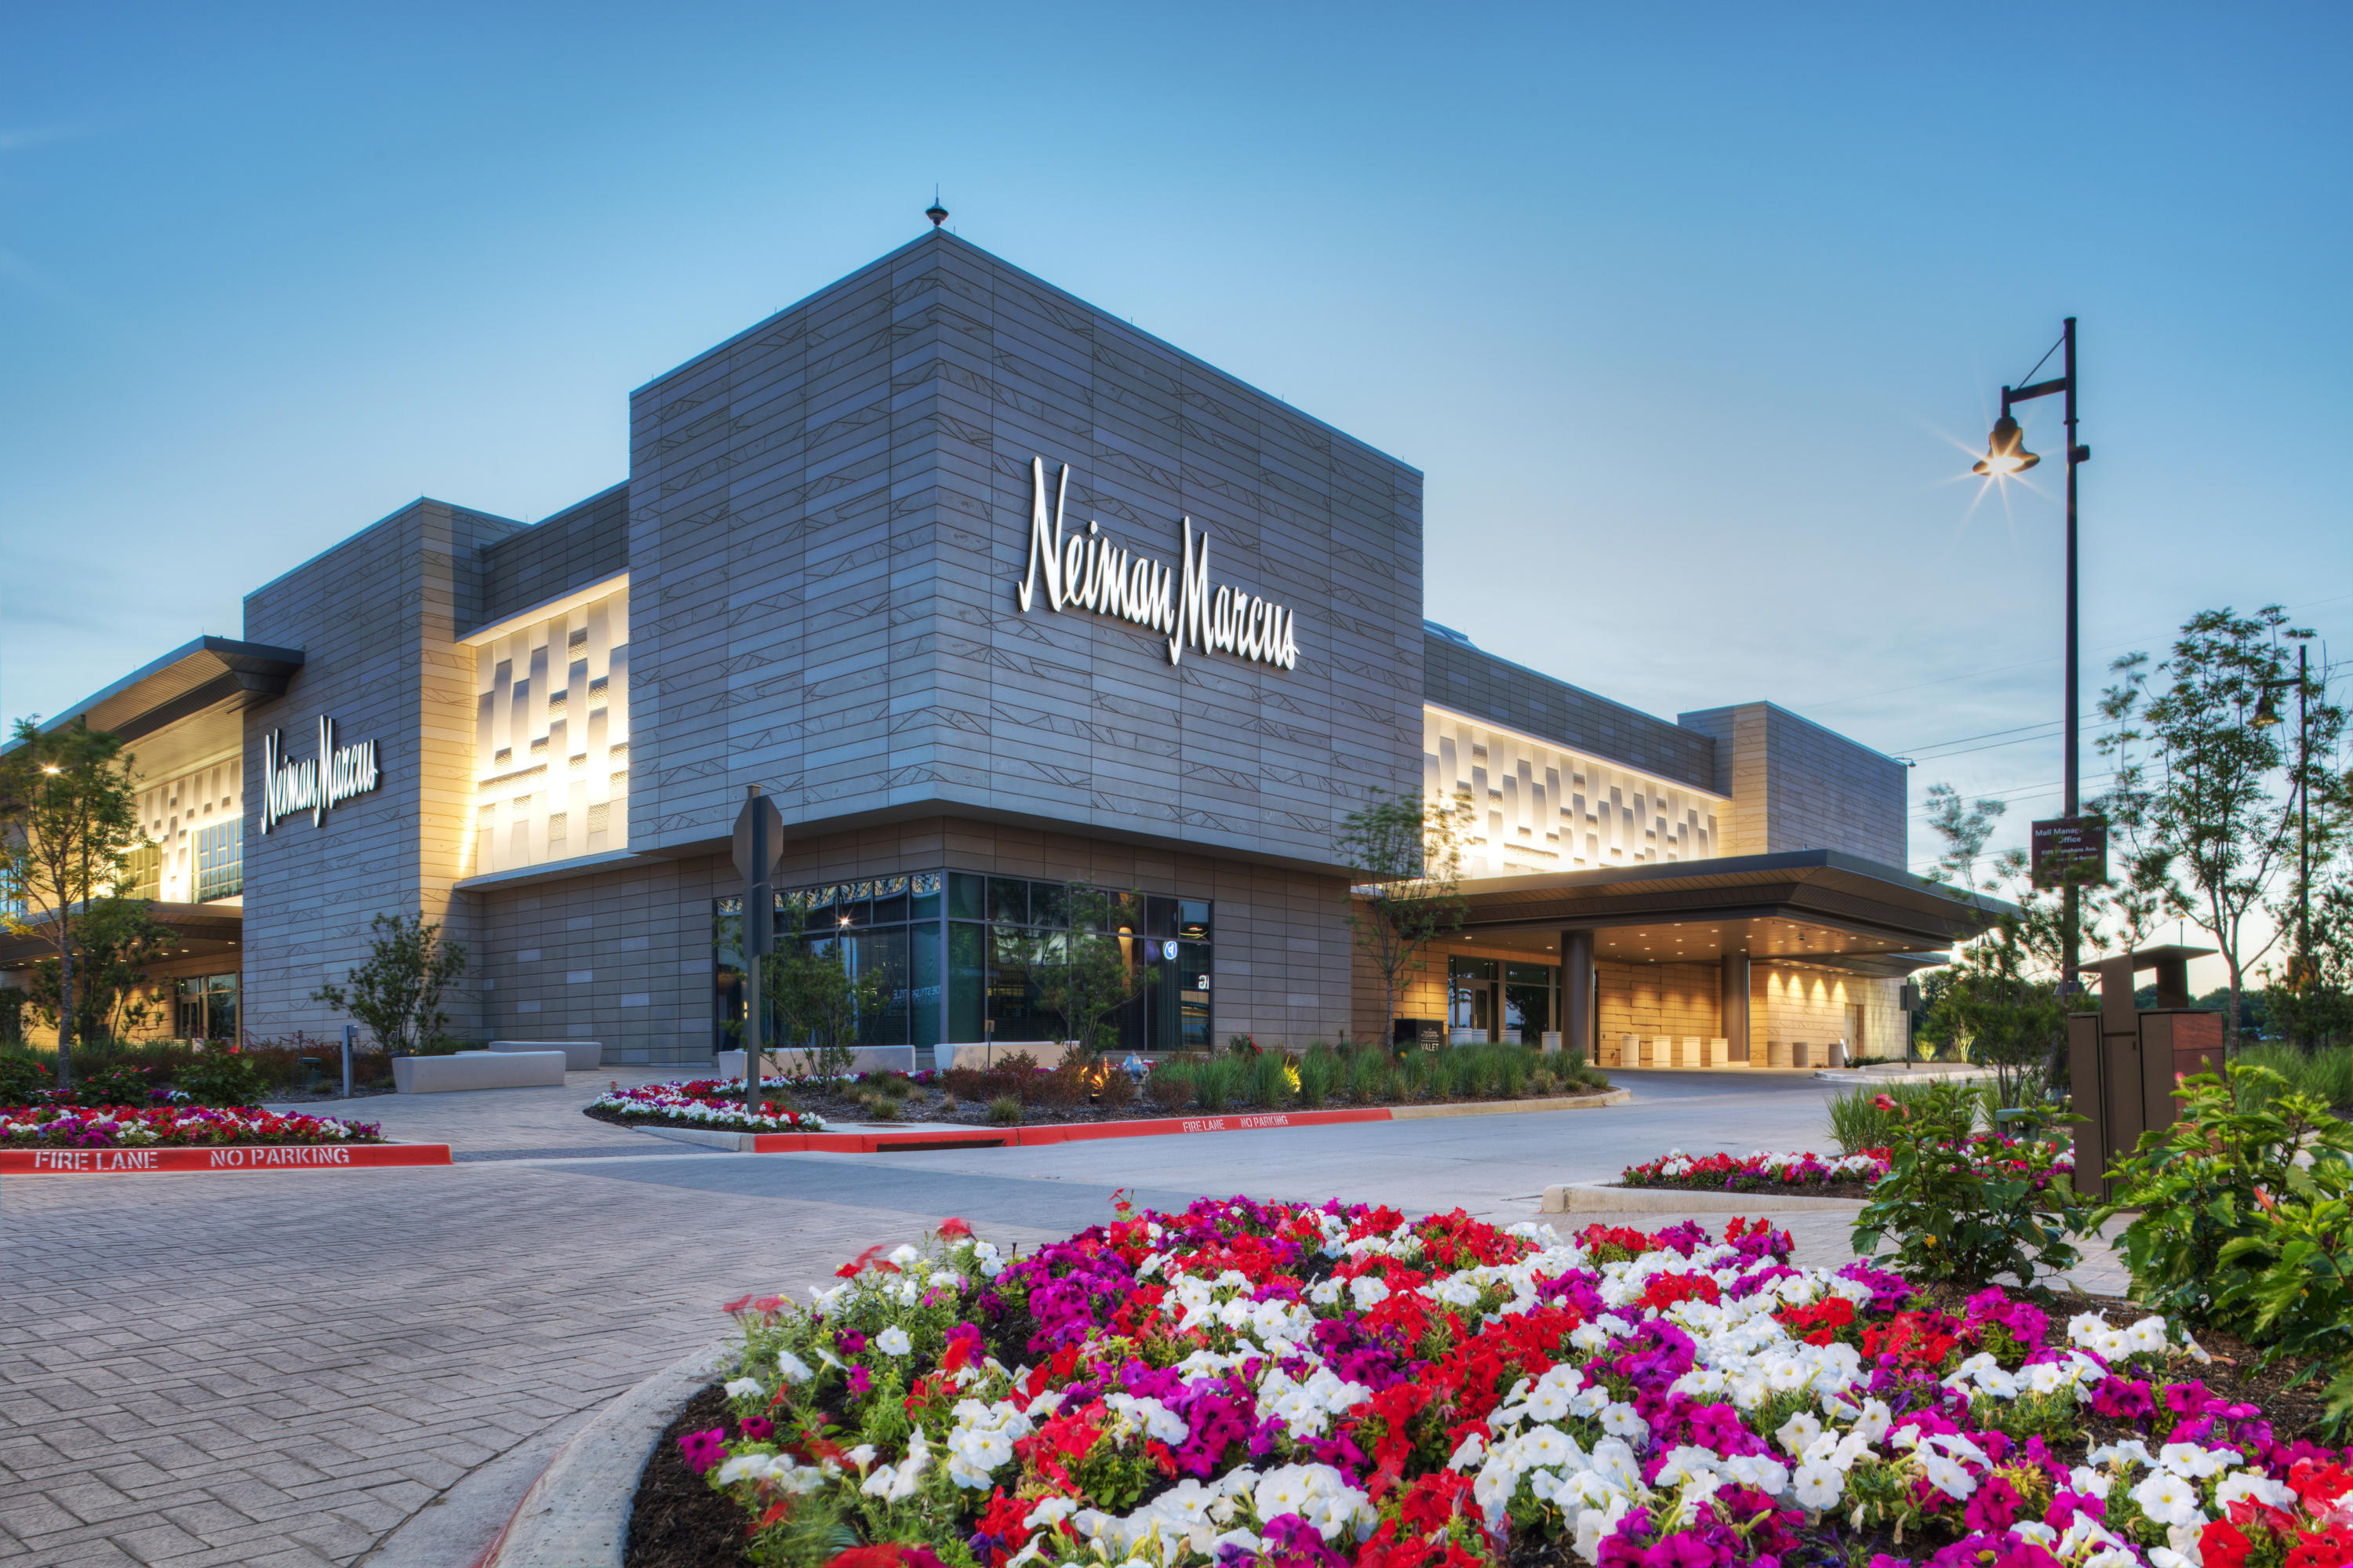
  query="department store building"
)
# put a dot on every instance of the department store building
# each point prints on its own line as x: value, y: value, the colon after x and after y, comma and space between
x: 994, y: 596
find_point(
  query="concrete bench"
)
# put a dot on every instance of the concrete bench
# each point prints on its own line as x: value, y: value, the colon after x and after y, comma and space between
x: 579, y: 1056
x: 1049, y: 1054
x: 478, y: 1070
x: 783, y: 1064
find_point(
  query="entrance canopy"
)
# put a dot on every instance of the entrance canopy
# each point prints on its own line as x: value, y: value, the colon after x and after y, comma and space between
x: 1819, y: 907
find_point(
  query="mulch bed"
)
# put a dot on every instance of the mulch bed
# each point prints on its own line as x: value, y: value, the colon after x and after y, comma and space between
x: 926, y: 1105
x: 676, y: 1520
x: 1749, y: 1186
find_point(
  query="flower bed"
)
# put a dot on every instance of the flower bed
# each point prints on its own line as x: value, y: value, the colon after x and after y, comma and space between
x: 705, y: 1102
x: 1017, y: 1091
x: 1817, y: 1175
x: 1313, y: 1387
x: 171, y: 1127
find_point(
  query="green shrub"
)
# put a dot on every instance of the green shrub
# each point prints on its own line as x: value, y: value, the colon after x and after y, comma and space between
x: 878, y: 1107
x: 1955, y: 1214
x: 1270, y: 1080
x: 22, y: 1078
x: 891, y: 1083
x: 1003, y: 1110
x: 1216, y: 1082
x: 1319, y: 1071
x: 1369, y: 1076
x: 1169, y: 1085
x: 2243, y: 1207
x: 113, y: 1083
x: 2326, y: 1075
x: 220, y: 1078
x: 1858, y: 1123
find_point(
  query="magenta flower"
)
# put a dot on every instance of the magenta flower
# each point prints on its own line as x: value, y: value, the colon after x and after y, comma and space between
x: 703, y: 1450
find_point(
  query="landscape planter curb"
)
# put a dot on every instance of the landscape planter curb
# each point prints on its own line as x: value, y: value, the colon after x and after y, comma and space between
x: 872, y: 1140
x: 1602, y: 1198
x: 234, y: 1157
x: 577, y: 1515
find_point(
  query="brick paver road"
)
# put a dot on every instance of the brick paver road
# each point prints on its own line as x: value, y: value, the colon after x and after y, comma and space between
x: 287, y: 1369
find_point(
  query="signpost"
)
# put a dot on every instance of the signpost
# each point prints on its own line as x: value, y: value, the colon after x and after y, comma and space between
x: 2071, y: 851
x: 759, y: 840
x: 351, y: 1031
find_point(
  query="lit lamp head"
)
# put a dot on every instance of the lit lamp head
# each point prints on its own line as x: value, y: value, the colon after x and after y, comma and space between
x: 2006, y: 450
x: 2267, y: 712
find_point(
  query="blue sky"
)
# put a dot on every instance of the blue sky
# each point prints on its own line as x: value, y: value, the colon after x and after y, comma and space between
x: 1688, y: 312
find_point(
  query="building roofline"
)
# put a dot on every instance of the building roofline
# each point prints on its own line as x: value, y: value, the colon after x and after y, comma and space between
x: 942, y: 237
x: 214, y: 669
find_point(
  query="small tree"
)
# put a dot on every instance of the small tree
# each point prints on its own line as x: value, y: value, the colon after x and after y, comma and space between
x: 2211, y: 808
x: 819, y: 1003
x: 1995, y: 1006
x: 1092, y: 976
x: 2311, y: 997
x: 1965, y: 830
x: 1408, y: 849
x: 397, y: 992
x: 69, y: 822
x: 115, y: 940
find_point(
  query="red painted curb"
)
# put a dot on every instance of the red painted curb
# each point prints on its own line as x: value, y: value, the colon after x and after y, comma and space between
x: 1034, y: 1137
x: 241, y: 1156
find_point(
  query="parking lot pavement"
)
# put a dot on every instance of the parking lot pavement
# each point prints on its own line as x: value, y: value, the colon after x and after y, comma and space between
x: 282, y: 1368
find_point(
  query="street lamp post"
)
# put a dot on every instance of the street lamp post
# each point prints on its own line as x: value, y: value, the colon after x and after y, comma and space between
x: 2006, y: 454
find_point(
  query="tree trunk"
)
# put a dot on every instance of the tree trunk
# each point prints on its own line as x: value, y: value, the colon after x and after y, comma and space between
x: 2230, y: 1020
x: 65, y: 1003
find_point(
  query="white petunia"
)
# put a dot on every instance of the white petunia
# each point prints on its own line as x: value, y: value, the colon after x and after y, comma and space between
x: 1819, y: 1486
x: 2169, y: 1499
x: 1797, y: 1434
x: 742, y: 1387
x: 893, y: 1341
x: 795, y: 1370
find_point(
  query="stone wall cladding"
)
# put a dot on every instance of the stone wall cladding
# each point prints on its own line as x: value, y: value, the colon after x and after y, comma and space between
x: 623, y: 956
x: 580, y: 545
x: 1810, y: 1005
x: 375, y: 617
x: 1472, y: 681
x: 1796, y: 784
x: 828, y: 517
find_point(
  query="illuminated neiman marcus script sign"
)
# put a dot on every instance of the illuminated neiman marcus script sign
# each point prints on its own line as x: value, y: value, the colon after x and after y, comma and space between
x: 1087, y: 571
x: 315, y: 783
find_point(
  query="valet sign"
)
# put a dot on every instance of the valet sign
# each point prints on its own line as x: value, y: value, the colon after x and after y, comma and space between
x: 1087, y: 571
x: 336, y: 774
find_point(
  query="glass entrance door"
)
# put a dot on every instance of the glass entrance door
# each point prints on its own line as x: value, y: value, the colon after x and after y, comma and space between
x: 1472, y: 1003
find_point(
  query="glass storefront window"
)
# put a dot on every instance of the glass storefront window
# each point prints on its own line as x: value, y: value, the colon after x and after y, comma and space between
x: 960, y: 957
x: 1009, y: 900
x: 220, y: 860
x: 207, y: 1008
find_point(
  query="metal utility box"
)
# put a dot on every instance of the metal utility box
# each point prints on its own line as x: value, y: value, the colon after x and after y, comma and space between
x: 2121, y: 1060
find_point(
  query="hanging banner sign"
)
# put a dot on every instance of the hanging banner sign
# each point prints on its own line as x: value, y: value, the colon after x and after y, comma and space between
x: 1087, y: 571
x: 312, y: 785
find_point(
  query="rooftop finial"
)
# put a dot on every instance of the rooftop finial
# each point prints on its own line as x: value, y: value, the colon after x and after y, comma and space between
x: 936, y: 212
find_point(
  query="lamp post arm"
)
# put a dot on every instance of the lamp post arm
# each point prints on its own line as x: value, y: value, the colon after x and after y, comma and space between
x: 2027, y: 393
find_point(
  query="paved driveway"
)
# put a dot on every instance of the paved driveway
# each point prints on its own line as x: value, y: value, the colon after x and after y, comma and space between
x: 339, y: 1367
